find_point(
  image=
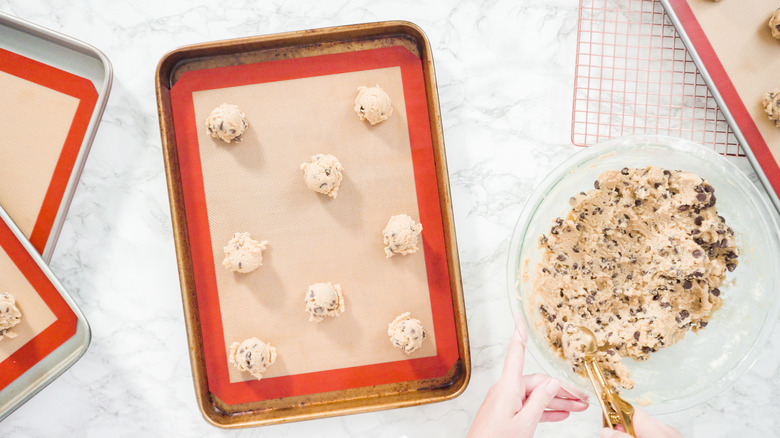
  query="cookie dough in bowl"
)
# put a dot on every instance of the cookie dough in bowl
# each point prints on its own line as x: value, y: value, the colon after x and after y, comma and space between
x: 731, y: 318
x: 638, y: 260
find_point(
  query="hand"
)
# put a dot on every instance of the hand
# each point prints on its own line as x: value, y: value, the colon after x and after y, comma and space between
x: 516, y: 404
x: 645, y: 426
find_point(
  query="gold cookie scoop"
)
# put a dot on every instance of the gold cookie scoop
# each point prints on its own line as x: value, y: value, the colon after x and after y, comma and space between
x: 616, y: 410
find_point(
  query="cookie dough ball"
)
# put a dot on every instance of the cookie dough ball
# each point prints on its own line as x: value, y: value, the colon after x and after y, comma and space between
x: 252, y: 356
x: 324, y: 299
x: 406, y: 333
x: 373, y: 104
x: 227, y: 123
x: 400, y: 235
x: 772, y: 106
x: 323, y: 174
x: 774, y: 24
x: 9, y: 315
x: 244, y: 254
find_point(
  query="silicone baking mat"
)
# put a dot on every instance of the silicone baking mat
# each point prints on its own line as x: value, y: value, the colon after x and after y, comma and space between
x: 634, y: 76
x: 734, y: 45
x: 297, y: 108
x: 44, y: 115
x: 47, y: 320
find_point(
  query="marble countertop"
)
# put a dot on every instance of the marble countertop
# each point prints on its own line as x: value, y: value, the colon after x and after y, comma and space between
x: 505, y: 73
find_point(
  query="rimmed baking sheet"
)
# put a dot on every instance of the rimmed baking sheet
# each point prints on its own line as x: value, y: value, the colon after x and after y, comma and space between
x: 297, y: 106
x: 52, y: 333
x: 732, y: 45
x: 52, y: 93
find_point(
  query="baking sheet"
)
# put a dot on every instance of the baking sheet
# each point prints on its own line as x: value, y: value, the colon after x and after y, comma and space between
x: 298, y: 109
x: 44, y: 150
x: 732, y: 45
x: 52, y: 333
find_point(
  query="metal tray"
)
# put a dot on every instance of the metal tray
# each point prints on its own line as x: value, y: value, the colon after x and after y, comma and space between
x: 73, y: 56
x: 294, y: 45
x: 60, y: 359
x: 743, y: 117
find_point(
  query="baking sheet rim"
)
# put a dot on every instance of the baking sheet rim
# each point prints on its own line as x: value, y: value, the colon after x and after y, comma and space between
x: 165, y: 72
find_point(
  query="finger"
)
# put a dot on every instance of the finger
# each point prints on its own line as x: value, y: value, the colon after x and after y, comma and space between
x: 553, y: 416
x: 562, y: 404
x: 531, y: 381
x: 513, y: 364
x: 536, y: 403
x: 520, y: 328
x: 573, y: 392
x: 609, y: 433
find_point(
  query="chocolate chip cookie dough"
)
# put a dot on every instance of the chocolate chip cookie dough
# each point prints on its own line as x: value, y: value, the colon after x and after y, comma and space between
x: 323, y: 174
x: 406, y: 333
x: 373, y: 104
x: 401, y: 235
x: 243, y: 254
x: 774, y: 24
x: 251, y: 356
x: 324, y: 299
x: 771, y: 103
x: 638, y: 260
x: 9, y: 315
x: 226, y: 122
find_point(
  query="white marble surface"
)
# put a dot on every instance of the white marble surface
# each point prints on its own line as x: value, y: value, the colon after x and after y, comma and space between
x: 505, y: 74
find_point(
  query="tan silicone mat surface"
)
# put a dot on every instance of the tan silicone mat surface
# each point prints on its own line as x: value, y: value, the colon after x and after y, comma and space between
x: 36, y: 315
x: 31, y: 141
x: 740, y: 35
x: 256, y: 186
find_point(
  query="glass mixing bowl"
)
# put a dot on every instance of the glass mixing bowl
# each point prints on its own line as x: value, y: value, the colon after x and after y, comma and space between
x: 705, y: 363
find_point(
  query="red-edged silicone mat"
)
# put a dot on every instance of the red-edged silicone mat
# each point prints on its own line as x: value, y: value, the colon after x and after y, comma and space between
x: 197, y: 209
x: 51, y: 184
x: 47, y: 319
x: 732, y: 45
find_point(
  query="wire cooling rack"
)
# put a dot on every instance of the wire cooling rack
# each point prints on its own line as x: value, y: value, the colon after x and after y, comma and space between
x: 634, y: 76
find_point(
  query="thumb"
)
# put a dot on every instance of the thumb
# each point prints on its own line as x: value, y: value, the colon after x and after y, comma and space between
x: 536, y: 403
x: 610, y: 433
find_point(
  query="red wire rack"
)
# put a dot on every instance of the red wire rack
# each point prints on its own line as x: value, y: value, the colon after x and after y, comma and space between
x: 634, y: 76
